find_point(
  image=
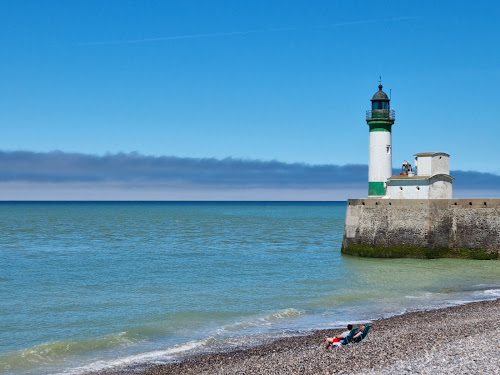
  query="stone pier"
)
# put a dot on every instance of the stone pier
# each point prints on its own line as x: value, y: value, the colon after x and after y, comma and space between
x: 423, y: 228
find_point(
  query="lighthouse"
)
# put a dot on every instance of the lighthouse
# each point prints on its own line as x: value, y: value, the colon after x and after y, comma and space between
x: 380, y: 120
x: 413, y: 214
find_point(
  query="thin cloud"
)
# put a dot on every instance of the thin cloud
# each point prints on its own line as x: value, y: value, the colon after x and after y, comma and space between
x: 234, y: 33
x: 191, y: 36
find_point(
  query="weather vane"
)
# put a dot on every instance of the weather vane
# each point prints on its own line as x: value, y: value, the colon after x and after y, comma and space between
x: 380, y: 79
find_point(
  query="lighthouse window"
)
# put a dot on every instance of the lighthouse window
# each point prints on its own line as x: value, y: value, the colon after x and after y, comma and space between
x: 388, y: 147
x: 380, y: 105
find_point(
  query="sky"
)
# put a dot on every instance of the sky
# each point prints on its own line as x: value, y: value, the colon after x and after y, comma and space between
x: 239, y: 100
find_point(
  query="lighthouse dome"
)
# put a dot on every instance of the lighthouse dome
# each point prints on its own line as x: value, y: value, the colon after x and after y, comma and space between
x: 380, y: 95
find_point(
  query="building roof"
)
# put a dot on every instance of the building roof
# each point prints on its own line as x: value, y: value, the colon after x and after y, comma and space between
x: 380, y: 95
x: 416, y: 177
x: 431, y: 153
x: 406, y: 177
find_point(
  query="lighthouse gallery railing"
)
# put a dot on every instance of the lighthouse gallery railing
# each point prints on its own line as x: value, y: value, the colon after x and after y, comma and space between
x: 381, y: 114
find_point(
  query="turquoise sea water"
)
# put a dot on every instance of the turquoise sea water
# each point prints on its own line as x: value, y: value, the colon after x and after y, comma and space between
x: 85, y: 286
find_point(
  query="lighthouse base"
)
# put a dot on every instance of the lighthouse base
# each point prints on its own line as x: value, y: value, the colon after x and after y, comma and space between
x: 376, y: 189
x: 422, y: 228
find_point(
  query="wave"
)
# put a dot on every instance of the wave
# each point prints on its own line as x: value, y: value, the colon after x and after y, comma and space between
x: 243, y: 332
x: 492, y: 293
x: 137, y: 360
x: 59, y: 354
x: 261, y: 320
x: 55, y: 352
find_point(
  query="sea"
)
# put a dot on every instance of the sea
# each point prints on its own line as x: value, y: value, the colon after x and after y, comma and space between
x: 87, y: 286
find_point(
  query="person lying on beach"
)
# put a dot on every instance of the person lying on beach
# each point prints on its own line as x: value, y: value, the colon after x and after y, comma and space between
x: 359, y: 333
x: 336, y: 340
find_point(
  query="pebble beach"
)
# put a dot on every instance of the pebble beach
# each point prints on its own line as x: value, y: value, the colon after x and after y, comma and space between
x: 462, y: 339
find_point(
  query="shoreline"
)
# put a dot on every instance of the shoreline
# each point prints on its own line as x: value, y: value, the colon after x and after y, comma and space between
x: 461, y: 339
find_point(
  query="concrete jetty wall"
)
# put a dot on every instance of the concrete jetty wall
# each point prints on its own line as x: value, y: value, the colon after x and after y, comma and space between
x: 423, y: 228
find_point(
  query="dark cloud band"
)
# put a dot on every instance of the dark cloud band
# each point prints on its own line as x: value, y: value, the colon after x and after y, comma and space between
x: 58, y: 167
x: 133, y: 167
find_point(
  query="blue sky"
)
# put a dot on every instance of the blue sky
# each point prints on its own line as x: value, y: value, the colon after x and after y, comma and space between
x: 257, y: 82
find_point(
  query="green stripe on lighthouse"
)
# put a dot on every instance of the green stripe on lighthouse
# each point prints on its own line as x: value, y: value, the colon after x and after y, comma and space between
x: 380, y: 126
x: 376, y: 188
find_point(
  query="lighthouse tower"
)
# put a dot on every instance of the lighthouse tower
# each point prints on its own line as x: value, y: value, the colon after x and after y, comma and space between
x: 380, y: 120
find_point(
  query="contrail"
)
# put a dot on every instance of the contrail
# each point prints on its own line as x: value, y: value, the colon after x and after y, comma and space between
x: 232, y: 33
x: 192, y: 36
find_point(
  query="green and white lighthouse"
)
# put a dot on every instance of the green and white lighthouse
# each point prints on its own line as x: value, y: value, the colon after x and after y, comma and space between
x: 380, y: 120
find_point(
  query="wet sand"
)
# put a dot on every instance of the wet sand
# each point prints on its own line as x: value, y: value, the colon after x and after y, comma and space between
x: 456, y: 340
